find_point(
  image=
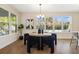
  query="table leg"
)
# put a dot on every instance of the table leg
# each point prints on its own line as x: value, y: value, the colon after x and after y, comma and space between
x: 28, y: 47
x: 38, y: 44
x: 24, y: 42
x: 41, y: 44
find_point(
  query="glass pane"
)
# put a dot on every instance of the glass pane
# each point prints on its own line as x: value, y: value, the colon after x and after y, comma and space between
x: 5, y: 19
x: 66, y: 22
x: 1, y: 20
x: 49, y: 23
x: 13, y: 23
x: 57, y: 22
x: 4, y: 24
x: 40, y: 22
x: 40, y: 25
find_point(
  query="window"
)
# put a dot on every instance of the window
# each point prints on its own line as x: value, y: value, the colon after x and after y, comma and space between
x: 40, y: 22
x: 13, y: 23
x: 49, y: 23
x: 57, y: 23
x: 7, y: 22
x: 63, y: 22
x: 4, y: 22
x: 66, y: 22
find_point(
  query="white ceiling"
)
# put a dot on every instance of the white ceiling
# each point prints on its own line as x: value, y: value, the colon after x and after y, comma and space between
x: 47, y: 7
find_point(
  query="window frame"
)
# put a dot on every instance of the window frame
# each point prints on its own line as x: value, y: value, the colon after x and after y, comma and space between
x: 69, y: 27
x: 9, y: 22
x: 13, y: 23
x: 62, y: 24
x: 3, y: 18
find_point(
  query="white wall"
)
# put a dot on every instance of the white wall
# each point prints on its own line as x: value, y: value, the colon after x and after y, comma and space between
x: 7, y: 39
x: 10, y: 38
x: 63, y: 35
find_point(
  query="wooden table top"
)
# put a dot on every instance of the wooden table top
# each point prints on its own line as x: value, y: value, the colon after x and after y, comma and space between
x: 36, y: 34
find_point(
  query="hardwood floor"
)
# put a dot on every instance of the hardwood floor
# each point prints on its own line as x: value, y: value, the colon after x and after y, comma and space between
x: 63, y: 47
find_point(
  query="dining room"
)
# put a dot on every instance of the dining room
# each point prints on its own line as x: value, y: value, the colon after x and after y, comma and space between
x: 39, y: 28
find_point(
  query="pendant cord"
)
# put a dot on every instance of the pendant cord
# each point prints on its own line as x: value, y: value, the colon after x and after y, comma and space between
x: 40, y: 8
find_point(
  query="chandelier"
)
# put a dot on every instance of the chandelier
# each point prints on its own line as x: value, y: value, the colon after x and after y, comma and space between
x: 40, y: 17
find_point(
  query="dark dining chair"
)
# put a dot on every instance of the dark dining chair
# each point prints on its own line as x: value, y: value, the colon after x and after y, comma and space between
x: 39, y: 42
x: 54, y: 37
x: 33, y: 42
x: 26, y: 36
x: 49, y: 41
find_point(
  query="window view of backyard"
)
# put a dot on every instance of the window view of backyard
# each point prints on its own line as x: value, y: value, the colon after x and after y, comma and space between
x: 40, y: 22
x: 4, y: 22
x: 56, y: 23
x: 49, y: 23
x: 66, y: 22
x: 13, y: 22
x: 59, y: 23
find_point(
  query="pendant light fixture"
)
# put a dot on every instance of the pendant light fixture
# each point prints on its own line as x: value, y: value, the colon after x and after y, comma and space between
x: 40, y: 17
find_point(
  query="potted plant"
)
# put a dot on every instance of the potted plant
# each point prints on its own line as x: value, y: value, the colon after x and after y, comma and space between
x: 20, y: 28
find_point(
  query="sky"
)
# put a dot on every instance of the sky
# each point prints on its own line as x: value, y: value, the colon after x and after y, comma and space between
x: 64, y: 18
x: 59, y: 18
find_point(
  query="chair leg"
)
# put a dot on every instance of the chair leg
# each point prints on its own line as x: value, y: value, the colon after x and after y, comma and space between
x: 55, y: 41
x: 77, y: 44
x: 24, y: 42
x: 52, y: 47
x: 52, y: 50
x: 28, y: 50
x: 28, y: 47
x: 71, y: 41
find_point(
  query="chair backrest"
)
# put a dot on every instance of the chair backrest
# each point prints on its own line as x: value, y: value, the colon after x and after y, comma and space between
x: 75, y: 34
x: 26, y: 36
x: 54, y: 35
